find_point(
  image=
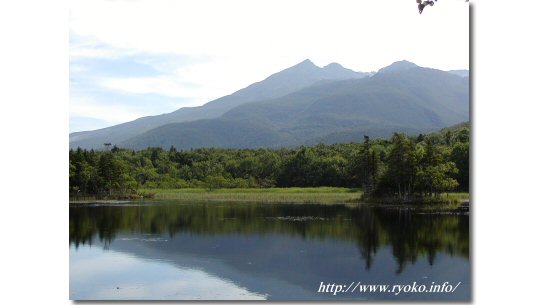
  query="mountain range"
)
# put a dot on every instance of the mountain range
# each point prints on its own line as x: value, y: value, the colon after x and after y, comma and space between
x: 304, y: 104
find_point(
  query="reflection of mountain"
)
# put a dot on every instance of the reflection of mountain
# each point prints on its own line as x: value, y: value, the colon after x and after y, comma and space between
x: 288, y: 267
x: 411, y: 235
x: 256, y: 245
x: 260, y: 263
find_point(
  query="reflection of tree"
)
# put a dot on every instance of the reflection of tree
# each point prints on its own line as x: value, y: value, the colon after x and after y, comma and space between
x: 367, y: 235
x: 413, y: 235
x: 409, y: 234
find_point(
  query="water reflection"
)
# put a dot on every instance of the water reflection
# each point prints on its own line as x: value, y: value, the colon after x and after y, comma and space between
x: 110, y: 275
x: 284, y: 251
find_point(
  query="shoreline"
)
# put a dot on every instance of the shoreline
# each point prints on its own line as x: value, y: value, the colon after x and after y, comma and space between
x: 269, y: 195
x: 322, y: 195
x: 431, y: 209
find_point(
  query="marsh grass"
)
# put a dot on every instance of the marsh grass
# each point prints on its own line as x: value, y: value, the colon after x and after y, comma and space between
x: 326, y: 195
x: 450, y: 200
x: 291, y: 195
x: 456, y: 196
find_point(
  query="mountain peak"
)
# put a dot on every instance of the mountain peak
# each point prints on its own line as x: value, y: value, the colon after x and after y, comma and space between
x: 304, y: 66
x: 398, y: 66
x: 337, y: 71
x: 333, y: 65
x: 306, y: 62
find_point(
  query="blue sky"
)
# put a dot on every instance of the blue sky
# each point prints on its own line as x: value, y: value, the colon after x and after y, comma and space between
x: 103, y: 89
x: 130, y: 59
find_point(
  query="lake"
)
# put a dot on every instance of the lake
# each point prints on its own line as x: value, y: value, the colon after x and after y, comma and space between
x: 257, y: 251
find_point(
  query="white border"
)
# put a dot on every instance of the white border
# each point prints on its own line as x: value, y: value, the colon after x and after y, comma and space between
x: 34, y: 126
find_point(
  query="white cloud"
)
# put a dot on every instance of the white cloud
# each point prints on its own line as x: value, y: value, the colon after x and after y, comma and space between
x: 77, y: 68
x: 84, y: 106
x: 199, y: 82
x: 82, y: 51
x: 359, y: 34
x: 89, y: 46
x: 163, y: 85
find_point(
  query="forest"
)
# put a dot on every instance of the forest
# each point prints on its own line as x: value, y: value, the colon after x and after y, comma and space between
x: 403, y: 167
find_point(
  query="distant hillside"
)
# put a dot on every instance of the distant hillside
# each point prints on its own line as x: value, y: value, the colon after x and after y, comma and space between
x: 462, y: 73
x: 277, y: 85
x: 400, y: 97
x: 454, y: 129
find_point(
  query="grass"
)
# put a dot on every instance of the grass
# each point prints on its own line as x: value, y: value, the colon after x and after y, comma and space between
x: 292, y: 195
x: 456, y: 196
x: 284, y: 195
x: 450, y: 200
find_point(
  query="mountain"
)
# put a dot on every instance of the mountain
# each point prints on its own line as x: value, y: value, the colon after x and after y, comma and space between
x: 277, y: 85
x: 336, y: 71
x: 398, y: 66
x: 462, y: 73
x: 400, y: 97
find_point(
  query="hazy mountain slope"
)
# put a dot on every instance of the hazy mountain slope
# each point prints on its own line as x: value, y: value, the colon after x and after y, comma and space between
x: 401, y: 97
x: 211, y: 133
x: 279, y: 84
x: 462, y: 73
x: 418, y: 98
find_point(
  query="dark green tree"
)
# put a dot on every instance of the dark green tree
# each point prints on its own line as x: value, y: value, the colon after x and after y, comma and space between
x: 460, y: 157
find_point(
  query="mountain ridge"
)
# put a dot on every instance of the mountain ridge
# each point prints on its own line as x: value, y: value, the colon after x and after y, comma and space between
x: 296, y: 77
x: 412, y: 99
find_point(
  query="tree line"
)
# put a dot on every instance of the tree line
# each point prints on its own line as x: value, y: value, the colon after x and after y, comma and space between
x: 402, y: 167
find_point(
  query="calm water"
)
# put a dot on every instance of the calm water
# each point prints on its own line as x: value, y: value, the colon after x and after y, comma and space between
x: 171, y: 250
